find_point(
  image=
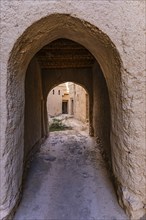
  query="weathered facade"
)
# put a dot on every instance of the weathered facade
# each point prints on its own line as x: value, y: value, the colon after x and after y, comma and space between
x: 111, y: 36
x: 78, y: 102
x: 55, y: 100
x: 68, y: 98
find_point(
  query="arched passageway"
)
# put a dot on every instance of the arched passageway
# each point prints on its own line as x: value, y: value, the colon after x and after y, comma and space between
x: 61, y: 61
x: 67, y: 178
x: 106, y: 72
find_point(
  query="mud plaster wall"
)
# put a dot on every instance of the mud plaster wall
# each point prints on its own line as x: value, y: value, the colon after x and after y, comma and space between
x: 80, y: 103
x: 53, y: 77
x: 54, y: 100
x: 114, y: 33
x: 101, y: 111
x: 33, y: 101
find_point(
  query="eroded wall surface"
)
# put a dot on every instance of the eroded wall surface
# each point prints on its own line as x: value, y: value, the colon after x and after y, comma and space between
x: 101, y: 111
x: 33, y: 107
x: 113, y: 31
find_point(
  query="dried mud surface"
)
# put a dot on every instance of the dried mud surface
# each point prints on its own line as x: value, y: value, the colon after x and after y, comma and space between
x: 67, y: 180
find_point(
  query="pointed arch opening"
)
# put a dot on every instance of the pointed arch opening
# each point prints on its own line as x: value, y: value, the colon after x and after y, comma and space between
x: 102, y: 78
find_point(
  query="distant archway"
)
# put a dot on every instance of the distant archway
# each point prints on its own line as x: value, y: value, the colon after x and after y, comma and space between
x: 68, y: 98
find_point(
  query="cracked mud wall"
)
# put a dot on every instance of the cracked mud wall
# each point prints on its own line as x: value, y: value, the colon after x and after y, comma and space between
x: 123, y: 65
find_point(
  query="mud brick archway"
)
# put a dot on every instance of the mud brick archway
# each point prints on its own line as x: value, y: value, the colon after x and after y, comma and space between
x: 108, y: 64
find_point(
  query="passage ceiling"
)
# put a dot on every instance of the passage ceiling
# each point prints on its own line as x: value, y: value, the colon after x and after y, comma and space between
x: 63, y: 53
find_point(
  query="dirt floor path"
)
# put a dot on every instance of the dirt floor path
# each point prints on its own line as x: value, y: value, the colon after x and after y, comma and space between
x: 68, y: 180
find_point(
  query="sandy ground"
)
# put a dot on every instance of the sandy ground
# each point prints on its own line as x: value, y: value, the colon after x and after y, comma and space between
x: 68, y: 180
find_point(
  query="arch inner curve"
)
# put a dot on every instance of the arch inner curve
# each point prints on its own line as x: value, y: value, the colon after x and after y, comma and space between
x: 97, y: 67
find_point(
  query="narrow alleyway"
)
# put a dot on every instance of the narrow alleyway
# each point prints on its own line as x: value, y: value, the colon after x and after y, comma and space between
x: 68, y: 180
